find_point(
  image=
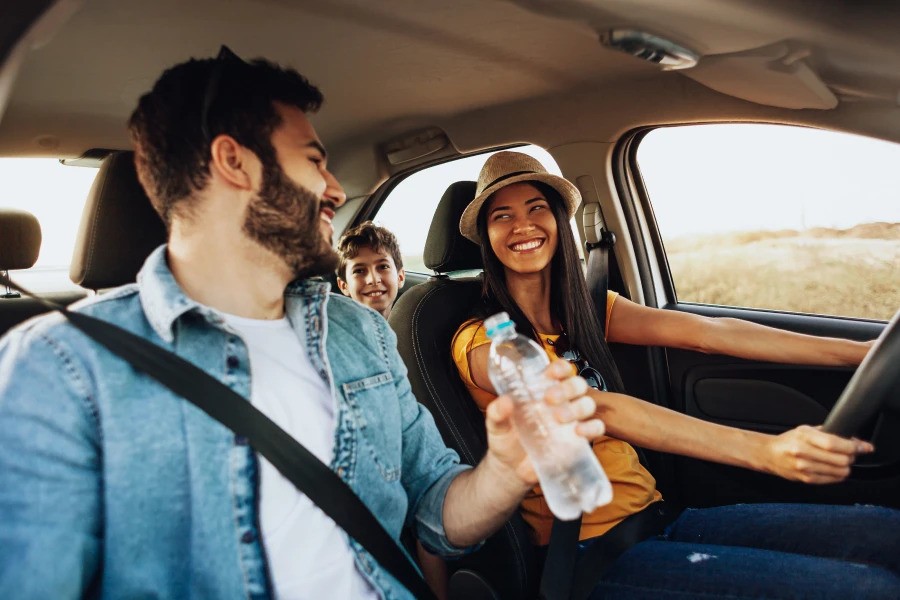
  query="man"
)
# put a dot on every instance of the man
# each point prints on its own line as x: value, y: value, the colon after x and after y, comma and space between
x: 370, y: 267
x: 111, y: 485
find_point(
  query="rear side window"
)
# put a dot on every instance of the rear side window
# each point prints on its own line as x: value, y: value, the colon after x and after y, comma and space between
x: 777, y: 217
x: 408, y: 209
x: 55, y: 194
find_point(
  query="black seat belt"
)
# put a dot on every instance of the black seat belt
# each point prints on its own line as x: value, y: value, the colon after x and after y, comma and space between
x: 308, y: 474
x: 558, y: 576
x: 597, y: 275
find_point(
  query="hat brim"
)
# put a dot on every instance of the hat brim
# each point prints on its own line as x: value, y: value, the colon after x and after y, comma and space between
x: 468, y: 222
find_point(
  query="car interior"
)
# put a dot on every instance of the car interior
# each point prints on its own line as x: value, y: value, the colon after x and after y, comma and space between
x: 412, y: 85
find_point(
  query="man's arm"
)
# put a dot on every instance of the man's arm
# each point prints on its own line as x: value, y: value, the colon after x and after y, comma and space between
x: 49, y: 472
x: 479, y: 501
x: 632, y: 323
x: 804, y: 454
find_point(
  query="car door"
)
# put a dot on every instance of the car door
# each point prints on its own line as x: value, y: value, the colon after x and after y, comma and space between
x: 783, y: 226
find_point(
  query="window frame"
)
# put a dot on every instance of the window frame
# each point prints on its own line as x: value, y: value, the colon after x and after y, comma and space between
x: 654, y: 270
x: 372, y: 205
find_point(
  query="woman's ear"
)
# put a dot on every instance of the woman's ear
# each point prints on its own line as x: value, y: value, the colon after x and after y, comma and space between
x: 232, y: 162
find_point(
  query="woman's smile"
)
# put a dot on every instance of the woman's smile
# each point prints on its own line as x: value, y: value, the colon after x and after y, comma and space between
x: 527, y: 245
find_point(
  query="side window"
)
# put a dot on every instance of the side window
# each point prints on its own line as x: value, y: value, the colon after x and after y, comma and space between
x: 777, y: 217
x: 55, y: 194
x: 408, y: 209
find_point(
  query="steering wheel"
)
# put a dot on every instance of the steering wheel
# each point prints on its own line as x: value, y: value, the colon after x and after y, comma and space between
x: 875, y: 385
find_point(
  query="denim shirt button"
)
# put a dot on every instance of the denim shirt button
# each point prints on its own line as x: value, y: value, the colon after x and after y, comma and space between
x: 232, y: 362
x: 340, y: 471
x: 248, y: 537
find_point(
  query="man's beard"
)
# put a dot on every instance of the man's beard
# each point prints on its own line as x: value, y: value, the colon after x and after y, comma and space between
x: 284, y: 218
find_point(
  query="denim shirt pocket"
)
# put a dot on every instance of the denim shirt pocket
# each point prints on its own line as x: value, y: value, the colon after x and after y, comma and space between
x: 372, y: 403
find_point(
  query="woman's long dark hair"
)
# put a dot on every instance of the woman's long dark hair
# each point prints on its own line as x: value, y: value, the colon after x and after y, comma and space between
x: 570, y: 303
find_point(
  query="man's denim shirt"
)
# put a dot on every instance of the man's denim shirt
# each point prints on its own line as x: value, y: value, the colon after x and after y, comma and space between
x: 112, y: 486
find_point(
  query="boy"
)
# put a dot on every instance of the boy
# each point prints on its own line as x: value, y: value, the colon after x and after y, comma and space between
x: 371, y: 268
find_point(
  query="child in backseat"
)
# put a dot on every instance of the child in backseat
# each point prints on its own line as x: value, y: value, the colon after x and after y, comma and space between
x: 371, y: 267
x: 371, y: 272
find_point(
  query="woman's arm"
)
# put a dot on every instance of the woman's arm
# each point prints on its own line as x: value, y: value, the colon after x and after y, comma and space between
x: 804, y: 454
x: 632, y: 323
x: 478, y: 362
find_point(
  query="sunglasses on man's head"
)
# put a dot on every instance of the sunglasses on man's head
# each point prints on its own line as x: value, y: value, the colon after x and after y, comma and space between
x: 567, y: 352
x: 225, y: 59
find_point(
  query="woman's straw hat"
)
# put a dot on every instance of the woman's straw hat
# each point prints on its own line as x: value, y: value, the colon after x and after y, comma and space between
x: 503, y: 169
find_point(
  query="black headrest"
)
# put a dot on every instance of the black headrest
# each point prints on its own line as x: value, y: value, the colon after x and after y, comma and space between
x: 445, y: 248
x: 119, y: 227
x: 20, y: 239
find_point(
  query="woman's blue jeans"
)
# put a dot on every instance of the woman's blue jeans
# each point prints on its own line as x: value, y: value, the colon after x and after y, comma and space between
x: 764, y: 551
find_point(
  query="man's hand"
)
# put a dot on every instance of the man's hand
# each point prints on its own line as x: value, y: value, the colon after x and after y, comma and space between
x: 479, y: 501
x: 568, y: 401
x: 810, y: 455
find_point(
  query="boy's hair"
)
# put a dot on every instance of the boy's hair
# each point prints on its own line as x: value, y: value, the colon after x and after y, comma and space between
x: 367, y: 235
x: 191, y: 103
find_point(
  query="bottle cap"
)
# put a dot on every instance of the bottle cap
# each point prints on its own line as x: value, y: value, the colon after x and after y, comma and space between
x: 497, y: 323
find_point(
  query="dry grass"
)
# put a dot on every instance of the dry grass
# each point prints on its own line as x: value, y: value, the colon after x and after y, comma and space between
x: 853, y: 272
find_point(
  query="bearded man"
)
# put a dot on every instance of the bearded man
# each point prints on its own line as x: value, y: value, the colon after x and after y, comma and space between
x: 113, y: 486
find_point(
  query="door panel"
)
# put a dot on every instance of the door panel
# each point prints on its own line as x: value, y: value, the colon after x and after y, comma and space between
x: 773, y: 398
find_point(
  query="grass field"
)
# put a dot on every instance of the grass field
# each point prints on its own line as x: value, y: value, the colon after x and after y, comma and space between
x: 853, y: 272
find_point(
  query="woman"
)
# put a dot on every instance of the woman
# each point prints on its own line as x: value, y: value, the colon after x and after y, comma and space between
x: 520, y: 219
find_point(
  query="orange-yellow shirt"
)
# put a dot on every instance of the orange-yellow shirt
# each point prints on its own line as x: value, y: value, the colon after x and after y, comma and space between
x: 633, y: 486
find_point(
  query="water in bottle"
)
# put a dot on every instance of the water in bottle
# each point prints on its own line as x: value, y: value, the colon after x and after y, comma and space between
x: 570, y: 474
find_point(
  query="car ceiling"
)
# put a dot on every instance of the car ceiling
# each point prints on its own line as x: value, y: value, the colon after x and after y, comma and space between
x: 486, y: 71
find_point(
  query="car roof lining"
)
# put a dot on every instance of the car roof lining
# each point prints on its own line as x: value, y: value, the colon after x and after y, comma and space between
x: 487, y: 73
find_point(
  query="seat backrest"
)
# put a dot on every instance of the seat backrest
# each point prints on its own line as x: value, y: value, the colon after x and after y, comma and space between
x: 20, y: 244
x: 119, y: 227
x: 425, y: 319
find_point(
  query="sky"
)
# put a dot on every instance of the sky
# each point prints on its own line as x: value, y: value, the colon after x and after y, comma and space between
x: 743, y: 178
x: 701, y: 179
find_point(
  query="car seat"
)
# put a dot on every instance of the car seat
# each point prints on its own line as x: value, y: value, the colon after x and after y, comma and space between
x: 119, y: 227
x: 20, y: 244
x: 425, y: 319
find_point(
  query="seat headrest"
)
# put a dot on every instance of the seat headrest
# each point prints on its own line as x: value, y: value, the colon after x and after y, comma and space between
x: 20, y: 239
x: 119, y: 227
x: 445, y: 248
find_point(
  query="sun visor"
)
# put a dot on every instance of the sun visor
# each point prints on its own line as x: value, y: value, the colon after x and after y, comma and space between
x: 774, y: 75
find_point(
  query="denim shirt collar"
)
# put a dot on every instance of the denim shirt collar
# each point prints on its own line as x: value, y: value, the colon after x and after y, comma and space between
x: 164, y: 301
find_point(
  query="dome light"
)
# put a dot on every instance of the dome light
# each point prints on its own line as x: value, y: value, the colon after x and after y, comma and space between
x: 652, y: 48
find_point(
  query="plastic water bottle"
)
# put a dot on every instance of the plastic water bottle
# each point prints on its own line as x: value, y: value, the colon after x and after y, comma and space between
x: 570, y: 474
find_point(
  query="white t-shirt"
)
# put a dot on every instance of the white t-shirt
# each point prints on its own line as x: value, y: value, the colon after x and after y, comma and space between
x: 308, y: 554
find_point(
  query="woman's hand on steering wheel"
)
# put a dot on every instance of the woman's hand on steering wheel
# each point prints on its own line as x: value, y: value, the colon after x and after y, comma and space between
x: 810, y: 455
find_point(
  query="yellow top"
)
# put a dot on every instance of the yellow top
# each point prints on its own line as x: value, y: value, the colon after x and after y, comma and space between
x: 633, y: 486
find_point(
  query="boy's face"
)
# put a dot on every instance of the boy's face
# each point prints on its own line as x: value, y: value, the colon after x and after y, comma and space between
x: 373, y: 279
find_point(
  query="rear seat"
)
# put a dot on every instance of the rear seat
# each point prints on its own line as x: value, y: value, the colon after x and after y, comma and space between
x: 20, y: 244
x: 118, y: 230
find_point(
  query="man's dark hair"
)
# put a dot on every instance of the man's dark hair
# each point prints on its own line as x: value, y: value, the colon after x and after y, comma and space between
x: 570, y: 300
x: 367, y: 235
x: 195, y: 101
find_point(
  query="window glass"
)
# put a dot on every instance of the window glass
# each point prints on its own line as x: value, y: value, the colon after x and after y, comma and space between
x: 55, y: 194
x: 408, y: 209
x: 778, y: 217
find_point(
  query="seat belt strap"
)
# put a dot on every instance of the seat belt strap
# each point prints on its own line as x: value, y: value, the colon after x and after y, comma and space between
x: 597, y: 276
x: 308, y: 474
x: 558, y: 574
x: 596, y: 560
